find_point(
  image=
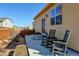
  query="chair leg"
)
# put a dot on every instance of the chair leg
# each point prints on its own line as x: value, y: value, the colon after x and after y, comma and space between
x: 53, y: 46
x: 65, y: 52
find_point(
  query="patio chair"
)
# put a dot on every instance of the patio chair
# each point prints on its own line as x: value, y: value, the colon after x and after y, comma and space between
x: 47, y: 39
x: 44, y: 38
x: 50, y: 38
x: 60, y: 46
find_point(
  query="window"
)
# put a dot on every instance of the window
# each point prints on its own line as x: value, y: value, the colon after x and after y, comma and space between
x: 56, y: 15
x: 58, y: 19
x: 58, y: 9
x: 53, y: 13
x: 53, y: 21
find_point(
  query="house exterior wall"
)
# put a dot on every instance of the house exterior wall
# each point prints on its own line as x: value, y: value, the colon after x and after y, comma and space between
x: 70, y: 16
x: 38, y: 22
x: 38, y: 25
x: 1, y: 24
x: 71, y: 21
x: 7, y: 23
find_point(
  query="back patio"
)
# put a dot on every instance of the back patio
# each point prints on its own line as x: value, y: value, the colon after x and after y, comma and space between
x: 35, y: 48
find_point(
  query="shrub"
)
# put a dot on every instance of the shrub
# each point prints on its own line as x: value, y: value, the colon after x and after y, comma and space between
x: 27, y: 32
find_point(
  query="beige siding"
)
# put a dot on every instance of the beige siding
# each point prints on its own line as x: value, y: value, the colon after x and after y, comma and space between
x: 70, y: 20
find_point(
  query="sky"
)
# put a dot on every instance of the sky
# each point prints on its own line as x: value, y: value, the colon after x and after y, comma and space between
x: 21, y: 14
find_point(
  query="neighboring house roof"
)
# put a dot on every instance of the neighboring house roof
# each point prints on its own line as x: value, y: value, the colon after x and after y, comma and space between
x: 48, y: 6
x: 2, y: 19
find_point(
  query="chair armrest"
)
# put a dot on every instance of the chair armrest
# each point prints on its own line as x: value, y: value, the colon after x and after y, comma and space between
x: 59, y: 42
x: 56, y: 39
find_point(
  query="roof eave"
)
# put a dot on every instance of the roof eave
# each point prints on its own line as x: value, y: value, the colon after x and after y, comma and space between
x: 48, y: 6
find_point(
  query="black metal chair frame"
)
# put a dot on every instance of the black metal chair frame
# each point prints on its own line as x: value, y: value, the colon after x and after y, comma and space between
x: 47, y: 40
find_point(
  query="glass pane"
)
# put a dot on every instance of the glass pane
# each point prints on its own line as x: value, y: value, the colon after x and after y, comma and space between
x: 58, y: 9
x: 53, y: 12
x: 53, y: 21
x: 59, y: 19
